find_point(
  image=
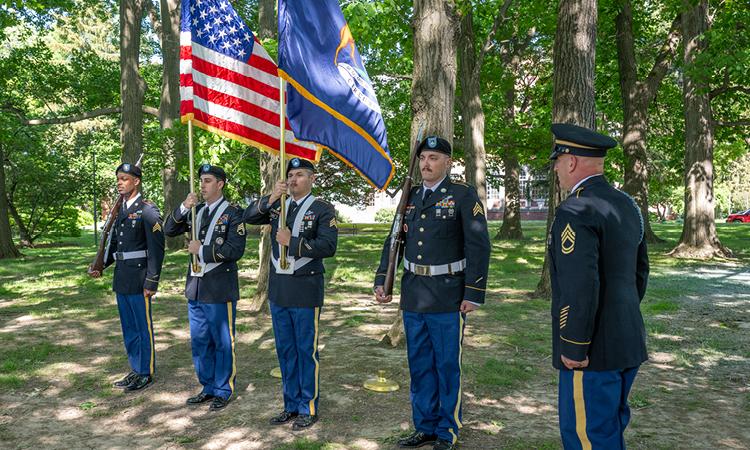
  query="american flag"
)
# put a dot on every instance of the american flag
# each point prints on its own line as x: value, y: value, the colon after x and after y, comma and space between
x: 228, y: 83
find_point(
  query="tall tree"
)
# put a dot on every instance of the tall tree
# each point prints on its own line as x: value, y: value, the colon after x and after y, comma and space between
x: 270, y: 172
x: 573, y: 99
x: 7, y: 247
x: 132, y: 84
x: 435, y: 25
x: 472, y: 111
x: 636, y: 97
x: 699, y: 238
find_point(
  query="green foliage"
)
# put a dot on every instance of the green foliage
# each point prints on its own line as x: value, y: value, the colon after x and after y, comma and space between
x: 385, y: 215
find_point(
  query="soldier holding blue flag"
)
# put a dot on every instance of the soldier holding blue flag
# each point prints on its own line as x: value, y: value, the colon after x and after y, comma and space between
x: 599, y: 270
x: 296, y: 293
x: 446, y: 258
x: 213, y: 290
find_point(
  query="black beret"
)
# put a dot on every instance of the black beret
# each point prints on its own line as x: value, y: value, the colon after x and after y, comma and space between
x: 575, y: 140
x: 299, y: 163
x: 435, y: 144
x: 216, y: 171
x: 130, y: 169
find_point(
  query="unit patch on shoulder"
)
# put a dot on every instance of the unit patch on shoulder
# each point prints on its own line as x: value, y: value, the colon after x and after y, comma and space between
x: 567, y: 240
x: 241, y: 229
x: 156, y: 228
x: 478, y: 209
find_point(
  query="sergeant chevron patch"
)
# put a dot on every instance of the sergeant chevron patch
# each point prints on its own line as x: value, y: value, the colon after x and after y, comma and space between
x: 156, y: 228
x: 567, y: 240
x: 478, y: 209
x: 332, y: 224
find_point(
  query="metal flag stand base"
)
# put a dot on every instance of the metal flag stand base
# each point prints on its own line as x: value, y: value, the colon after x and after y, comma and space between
x: 276, y: 372
x: 381, y: 383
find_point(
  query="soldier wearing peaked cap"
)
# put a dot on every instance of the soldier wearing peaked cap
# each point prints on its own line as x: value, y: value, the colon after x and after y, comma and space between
x: 446, y: 257
x: 136, y: 247
x: 213, y: 291
x: 599, y: 270
x: 296, y: 294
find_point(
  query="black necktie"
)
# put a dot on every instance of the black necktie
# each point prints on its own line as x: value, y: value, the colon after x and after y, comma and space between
x: 427, y: 193
x: 206, y: 214
x: 292, y: 207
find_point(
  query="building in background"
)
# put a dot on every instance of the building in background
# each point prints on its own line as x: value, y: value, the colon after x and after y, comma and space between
x: 380, y: 207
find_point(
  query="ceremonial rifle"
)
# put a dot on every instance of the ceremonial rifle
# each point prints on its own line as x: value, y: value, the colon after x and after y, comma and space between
x: 98, y: 264
x: 397, y: 232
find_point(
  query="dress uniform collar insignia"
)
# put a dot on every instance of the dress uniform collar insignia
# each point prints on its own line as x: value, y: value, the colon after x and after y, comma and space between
x: 443, y: 190
x: 567, y: 240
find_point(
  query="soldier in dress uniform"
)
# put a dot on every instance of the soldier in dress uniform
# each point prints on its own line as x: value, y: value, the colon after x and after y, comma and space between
x: 599, y: 269
x: 296, y: 294
x: 136, y: 246
x: 446, y: 256
x: 213, y: 291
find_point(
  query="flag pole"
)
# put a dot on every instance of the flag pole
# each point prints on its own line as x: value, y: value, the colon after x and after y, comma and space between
x: 282, y: 155
x: 193, y: 258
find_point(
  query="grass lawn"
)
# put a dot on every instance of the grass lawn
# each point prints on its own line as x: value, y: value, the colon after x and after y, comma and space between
x: 62, y: 349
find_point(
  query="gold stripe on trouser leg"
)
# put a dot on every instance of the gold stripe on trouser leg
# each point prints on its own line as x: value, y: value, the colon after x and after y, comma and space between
x: 460, y: 373
x: 234, y: 360
x: 150, y: 334
x: 317, y: 364
x: 454, y: 438
x: 580, y: 407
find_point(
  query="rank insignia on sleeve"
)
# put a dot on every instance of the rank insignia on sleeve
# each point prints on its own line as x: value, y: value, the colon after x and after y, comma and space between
x: 241, y: 229
x: 156, y: 228
x: 478, y: 209
x: 567, y: 240
x: 332, y: 224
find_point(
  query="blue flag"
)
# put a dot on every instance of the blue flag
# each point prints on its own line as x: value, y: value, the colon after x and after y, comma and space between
x: 330, y: 98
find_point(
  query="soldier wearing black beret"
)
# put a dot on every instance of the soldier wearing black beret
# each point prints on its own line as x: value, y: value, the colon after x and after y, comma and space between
x: 136, y: 247
x: 446, y: 257
x: 599, y: 269
x: 213, y: 291
x: 296, y: 294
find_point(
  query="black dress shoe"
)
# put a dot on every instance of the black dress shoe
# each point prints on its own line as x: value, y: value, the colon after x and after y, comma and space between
x: 282, y: 418
x: 416, y: 440
x: 139, y: 382
x: 124, y: 382
x: 218, y: 403
x: 443, y: 445
x: 303, y: 421
x: 200, y: 398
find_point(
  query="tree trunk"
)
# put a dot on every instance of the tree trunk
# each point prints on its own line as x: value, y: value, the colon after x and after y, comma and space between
x: 433, y: 88
x: 24, y: 235
x: 174, y: 149
x: 7, y: 247
x: 699, y: 238
x: 573, y: 100
x: 511, y: 227
x: 270, y: 172
x: 132, y: 85
x: 472, y: 112
x: 636, y: 96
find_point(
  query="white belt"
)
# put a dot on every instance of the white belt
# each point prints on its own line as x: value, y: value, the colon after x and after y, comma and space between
x: 431, y: 271
x: 121, y: 256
